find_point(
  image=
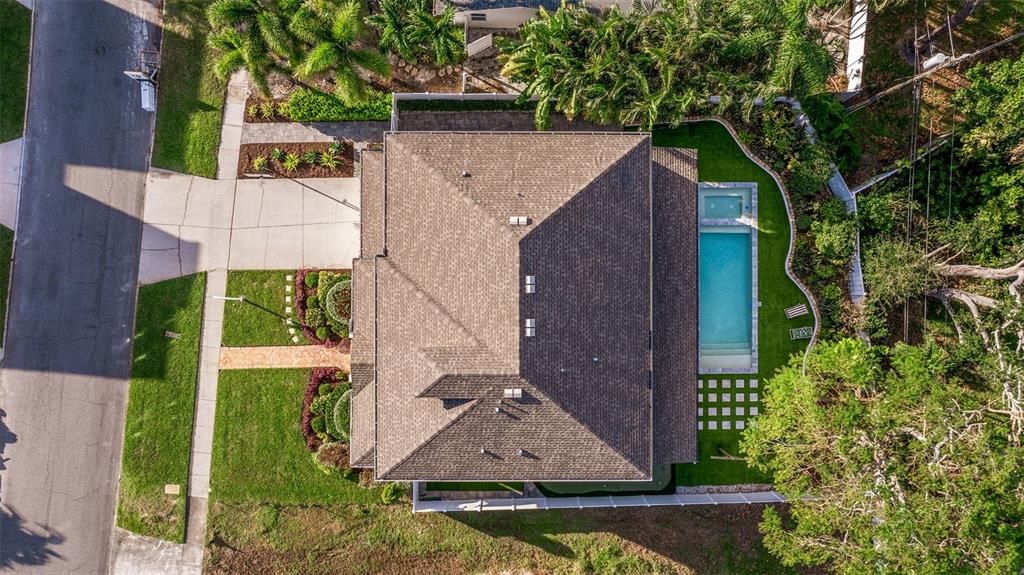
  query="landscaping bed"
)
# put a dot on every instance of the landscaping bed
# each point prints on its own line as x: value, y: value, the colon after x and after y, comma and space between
x: 298, y: 159
x: 323, y: 300
x: 161, y: 401
x: 325, y: 414
x: 305, y: 105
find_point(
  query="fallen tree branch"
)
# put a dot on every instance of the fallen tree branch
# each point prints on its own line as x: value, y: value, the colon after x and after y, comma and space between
x: 981, y: 272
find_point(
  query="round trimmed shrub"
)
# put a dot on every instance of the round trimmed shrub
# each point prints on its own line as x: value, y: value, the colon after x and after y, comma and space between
x: 324, y: 389
x: 315, y: 318
x: 338, y: 301
x: 322, y: 332
x: 340, y: 416
x: 311, y: 280
x: 313, y: 301
x: 319, y: 425
x: 331, y: 456
x: 322, y: 404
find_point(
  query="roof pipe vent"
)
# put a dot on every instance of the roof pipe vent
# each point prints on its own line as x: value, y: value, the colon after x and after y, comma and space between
x: 465, y: 173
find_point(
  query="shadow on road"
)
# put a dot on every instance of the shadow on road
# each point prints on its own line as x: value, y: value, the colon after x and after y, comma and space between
x: 6, y: 436
x: 24, y: 544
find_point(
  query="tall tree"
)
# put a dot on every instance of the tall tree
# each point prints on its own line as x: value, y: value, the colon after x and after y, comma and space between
x: 333, y: 28
x: 262, y: 21
x: 438, y: 36
x: 890, y: 463
x: 395, y: 27
x: 239, y: 52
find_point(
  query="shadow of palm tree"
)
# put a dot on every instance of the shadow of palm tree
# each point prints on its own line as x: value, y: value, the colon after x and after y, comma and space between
x: 22, y: 543
x: 6, y: 436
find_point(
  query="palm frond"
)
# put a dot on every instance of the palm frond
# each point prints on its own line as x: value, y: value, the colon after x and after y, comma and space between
x: 321, y: 58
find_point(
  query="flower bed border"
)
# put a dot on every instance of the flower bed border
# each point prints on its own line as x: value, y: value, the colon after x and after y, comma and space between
x: 317, y: 377
x: 301, y: 293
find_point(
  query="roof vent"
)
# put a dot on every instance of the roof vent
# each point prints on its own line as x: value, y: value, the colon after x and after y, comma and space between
x: 513, y: 393
x: 465, y: 173
x: 518, y: 220
x: 531, y: 327
x: 520, y: 452
x: 531, y: 284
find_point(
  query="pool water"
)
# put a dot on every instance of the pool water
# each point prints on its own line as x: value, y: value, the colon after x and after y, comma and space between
x: 725, y: 290
x: 723, y: 207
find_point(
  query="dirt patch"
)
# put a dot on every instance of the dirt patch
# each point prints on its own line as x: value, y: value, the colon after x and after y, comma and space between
x: 344, y: 158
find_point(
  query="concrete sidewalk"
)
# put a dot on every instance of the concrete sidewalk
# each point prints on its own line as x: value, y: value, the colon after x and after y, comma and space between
x: 10, y: 176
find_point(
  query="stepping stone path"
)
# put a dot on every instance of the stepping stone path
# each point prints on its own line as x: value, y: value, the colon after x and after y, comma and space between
x: 730, y: 406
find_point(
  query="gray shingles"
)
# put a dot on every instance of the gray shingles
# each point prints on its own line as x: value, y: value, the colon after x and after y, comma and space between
x: 449, y: 307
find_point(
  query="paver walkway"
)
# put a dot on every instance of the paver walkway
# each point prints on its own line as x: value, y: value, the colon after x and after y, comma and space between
x: 282, y: 357
x: 278, y: 132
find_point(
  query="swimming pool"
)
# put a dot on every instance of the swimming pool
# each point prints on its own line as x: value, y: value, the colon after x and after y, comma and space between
x: 726, y: 202
x: 723, y: 206
x: 725, y: 290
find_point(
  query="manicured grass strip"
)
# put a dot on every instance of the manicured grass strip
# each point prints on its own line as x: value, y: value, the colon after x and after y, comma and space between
x: 6, y: 250
x: 720, y: 159
x: 15, y: 31
x: 191, y: 97
x: 259, y: 454
x: 709, y: 471
x: 161, y: 402
x: 259, y: 320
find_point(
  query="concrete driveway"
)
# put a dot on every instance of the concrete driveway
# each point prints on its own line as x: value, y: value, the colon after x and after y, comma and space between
x: 195, y: 224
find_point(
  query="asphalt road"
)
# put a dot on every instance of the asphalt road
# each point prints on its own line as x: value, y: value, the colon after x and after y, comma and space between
x: 68, y: 351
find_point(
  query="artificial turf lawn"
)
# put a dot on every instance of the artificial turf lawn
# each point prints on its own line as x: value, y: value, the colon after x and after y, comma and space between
x: 6, y: 250
x: 260, y: 319
x: 259, y: 454
x: 191, y: 97
x: 161, y: 402
x: 720, y: 159
x: 15, y: 31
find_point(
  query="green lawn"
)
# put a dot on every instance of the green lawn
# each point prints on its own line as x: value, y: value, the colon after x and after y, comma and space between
x: 259, y: 454
x: 191, y: 97
x: 720, y: 159
x: 6, y: 250
x: 260, y: 319
x: 15, y: 31
x: 161, y: 402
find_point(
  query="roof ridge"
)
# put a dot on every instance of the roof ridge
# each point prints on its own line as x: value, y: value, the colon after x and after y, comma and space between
x: 475, y: 403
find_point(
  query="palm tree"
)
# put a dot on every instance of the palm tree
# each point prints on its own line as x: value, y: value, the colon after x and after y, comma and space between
x: 238, y: 52
x: 333, y: 28
x: 259, y: 19
x: 394, y: 27
x: 437, y: 35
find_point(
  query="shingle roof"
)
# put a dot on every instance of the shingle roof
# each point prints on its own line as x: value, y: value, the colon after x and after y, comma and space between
x: 450, y: 307
x: 674, y: 177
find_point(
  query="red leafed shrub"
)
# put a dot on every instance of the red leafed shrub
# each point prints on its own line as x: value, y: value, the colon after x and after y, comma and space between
x: 317, y: 377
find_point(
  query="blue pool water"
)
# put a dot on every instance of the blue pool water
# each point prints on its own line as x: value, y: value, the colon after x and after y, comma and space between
x: 725, y: 292
x: 723, y: 207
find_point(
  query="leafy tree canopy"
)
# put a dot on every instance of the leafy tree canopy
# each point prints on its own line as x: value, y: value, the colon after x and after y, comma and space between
x: 891, y: 464
x: 652, y: 66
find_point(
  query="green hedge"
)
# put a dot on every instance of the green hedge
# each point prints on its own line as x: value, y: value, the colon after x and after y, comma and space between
x: 464, y: 105
x: 306, y: 105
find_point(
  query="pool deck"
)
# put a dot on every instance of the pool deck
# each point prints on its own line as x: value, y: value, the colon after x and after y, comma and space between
x: 724, y: 364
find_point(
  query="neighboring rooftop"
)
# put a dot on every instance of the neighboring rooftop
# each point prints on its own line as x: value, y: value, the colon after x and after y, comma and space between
x: 503, y: 307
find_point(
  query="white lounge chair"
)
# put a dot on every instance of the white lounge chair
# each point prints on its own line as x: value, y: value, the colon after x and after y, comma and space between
x: 796, y: 311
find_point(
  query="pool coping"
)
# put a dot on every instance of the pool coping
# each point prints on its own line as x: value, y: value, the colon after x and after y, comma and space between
x: 755, y: 303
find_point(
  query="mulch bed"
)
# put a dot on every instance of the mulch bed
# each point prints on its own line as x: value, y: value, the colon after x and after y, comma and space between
x: 317, y: 377
x: 344, y: 169
x: 255, y: 104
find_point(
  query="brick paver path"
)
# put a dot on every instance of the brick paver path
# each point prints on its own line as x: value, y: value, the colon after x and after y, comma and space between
x: 280, y: 132
x: 282, y: 356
